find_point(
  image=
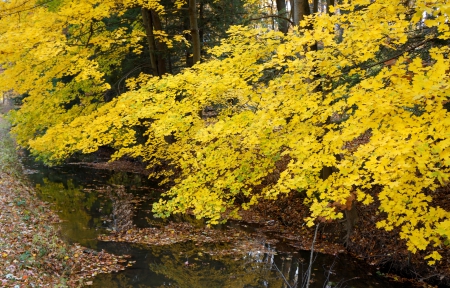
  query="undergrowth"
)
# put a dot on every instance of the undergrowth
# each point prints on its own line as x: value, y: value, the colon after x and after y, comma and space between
x: 9, y: 162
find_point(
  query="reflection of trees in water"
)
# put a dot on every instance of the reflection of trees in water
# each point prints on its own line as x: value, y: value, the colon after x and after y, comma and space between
x: 126, y: 179
x: 80, y: 209
x: 122, y: 208
x: 187, y: 266
x: 119, y: 280
x: 74, y: 207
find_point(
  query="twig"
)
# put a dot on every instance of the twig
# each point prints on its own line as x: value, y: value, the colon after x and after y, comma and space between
x: 308, y: 278
x: 284, y: 278
x: 330, y: 271
x: 342, y: 281
x: 431, y: 276
x: 397, y: 55
x: 273, y: 16
x: 346, y: 71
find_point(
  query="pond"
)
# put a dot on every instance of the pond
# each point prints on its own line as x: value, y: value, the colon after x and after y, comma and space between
x: 92, y: 202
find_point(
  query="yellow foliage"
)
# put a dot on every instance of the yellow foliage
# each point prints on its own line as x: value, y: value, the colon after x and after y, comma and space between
x: 278, y: 102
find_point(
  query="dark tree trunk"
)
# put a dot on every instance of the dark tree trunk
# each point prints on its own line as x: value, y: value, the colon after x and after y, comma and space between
x: 329, y: 3
x: 315, y: 6
x: 283, y: 24
x: 161, y: 46
x: 147, y: 21
x: 201, y: 25
x: 196, y: 45
x: 351, y: 218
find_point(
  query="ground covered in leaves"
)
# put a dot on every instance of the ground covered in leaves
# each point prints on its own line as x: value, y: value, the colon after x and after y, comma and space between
x: 240, y: 242
x: 32, y: 254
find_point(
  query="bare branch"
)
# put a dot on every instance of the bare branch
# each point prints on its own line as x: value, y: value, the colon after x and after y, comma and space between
x: 272, y: 16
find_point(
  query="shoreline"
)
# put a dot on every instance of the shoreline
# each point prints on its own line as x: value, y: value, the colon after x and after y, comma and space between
x: 31, y: 249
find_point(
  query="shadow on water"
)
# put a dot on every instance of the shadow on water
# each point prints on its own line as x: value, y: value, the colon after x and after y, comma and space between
x: 89, y: 202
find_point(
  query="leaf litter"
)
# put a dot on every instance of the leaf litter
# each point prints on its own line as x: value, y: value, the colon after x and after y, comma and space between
x: 32, y: 252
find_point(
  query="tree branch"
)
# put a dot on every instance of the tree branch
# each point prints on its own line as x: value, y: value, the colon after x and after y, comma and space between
x: 398, y: 55
x: 273, y: 16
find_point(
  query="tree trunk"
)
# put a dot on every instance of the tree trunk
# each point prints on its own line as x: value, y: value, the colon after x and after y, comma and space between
x: 315, y: 6
x: 283, y: 25
x: 301, y: 9
x: 330, y: 3
x: 196, y: 46
x: 169, y: 60
x: 147, y: 21
x: 291, y: 12
x: 188, y: 36
x: 351, y: 218
x: 201, y: 28
x: 161, y: 46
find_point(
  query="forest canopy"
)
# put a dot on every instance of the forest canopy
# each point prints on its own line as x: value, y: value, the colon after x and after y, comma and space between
x: 352, y: 97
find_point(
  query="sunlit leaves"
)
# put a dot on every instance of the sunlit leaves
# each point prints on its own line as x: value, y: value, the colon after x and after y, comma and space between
x: 269, y: 112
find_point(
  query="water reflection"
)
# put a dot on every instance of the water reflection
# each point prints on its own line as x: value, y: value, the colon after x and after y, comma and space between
x: 91, y: 202
x: 202, y: 270
x: 186, y: 265
x: 164, y: 266
x: 79, y: 210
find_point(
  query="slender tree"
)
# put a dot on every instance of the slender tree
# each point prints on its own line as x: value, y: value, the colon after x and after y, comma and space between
x: 148, y: 24
x: 196, y: 44
x: 282, y: 12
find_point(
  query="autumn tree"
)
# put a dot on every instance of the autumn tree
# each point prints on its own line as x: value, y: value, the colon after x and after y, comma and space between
x: 369, y: 101
x: 76, y: 56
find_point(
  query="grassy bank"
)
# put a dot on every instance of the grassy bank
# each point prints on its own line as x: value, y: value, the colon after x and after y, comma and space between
x: 31, y: 251
x: 9, y: 163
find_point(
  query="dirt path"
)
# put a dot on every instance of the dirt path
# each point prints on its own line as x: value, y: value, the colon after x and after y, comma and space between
x: 32, y: 254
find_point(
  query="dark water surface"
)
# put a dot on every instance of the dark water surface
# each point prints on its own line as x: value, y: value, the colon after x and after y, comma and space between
x: 87, y: 200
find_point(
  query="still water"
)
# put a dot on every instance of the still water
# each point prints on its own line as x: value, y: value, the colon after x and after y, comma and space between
x: 88, y: 201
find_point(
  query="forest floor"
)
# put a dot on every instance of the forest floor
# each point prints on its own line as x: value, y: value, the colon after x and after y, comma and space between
x: 32, y: 253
